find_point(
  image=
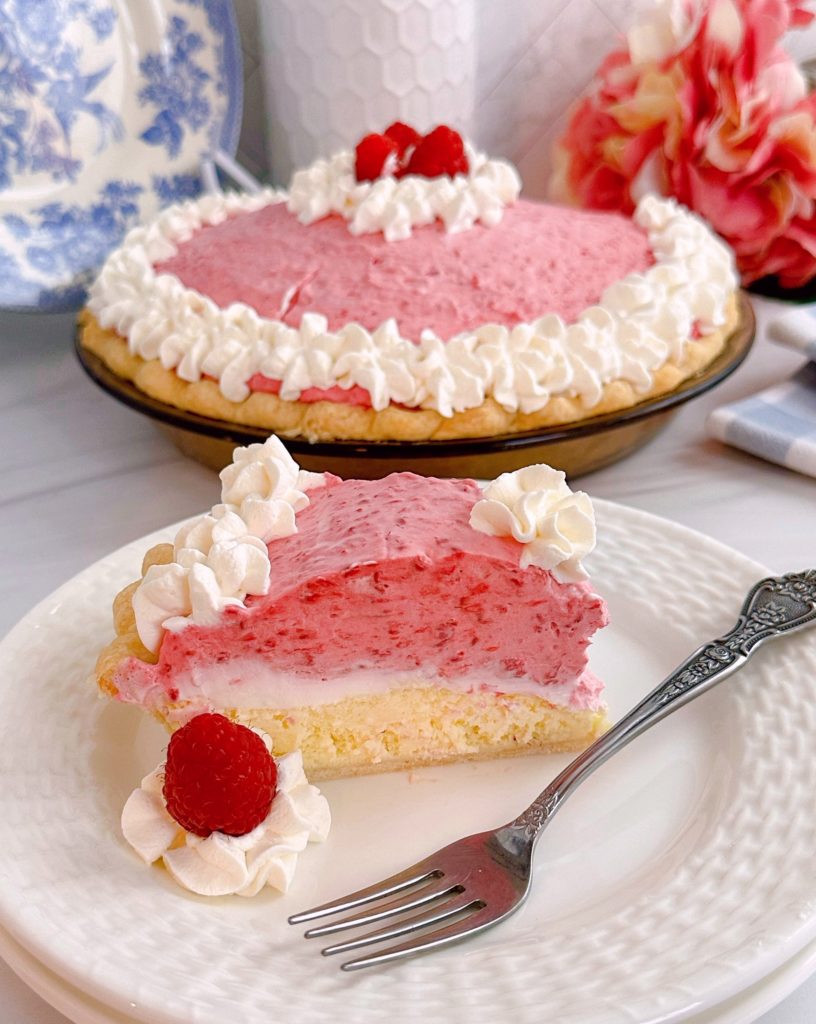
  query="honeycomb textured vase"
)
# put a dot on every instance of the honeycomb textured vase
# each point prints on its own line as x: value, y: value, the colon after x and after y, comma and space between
x: 336, y: 69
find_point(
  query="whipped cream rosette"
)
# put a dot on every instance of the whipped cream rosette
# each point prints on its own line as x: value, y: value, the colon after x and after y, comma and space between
x: 220, y: 558
x: 394, y: 206
x: 220, y: 864
x: 537, y: 508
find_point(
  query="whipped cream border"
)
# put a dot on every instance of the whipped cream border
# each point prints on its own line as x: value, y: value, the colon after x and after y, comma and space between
x: 223, y: 865
x: 221, y: 557
x: 641, y: 322
x: 395, y: 206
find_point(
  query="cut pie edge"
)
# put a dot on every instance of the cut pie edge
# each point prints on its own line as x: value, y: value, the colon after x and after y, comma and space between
x: 380, y: 733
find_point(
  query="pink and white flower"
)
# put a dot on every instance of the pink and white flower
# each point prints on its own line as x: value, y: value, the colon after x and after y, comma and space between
x: 704, y: 104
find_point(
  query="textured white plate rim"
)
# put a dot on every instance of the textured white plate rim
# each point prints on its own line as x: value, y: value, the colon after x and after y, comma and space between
x: 72, y: 1002
x: 40, y: 942
x: 80, y: 1008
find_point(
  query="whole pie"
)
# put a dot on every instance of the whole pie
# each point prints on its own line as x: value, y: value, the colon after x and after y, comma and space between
x: 426, y: 301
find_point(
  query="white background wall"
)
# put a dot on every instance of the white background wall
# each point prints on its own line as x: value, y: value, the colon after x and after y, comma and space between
x: 532, y: 59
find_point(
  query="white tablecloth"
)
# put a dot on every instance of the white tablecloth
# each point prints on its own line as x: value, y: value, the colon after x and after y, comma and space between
x: 82, y: 475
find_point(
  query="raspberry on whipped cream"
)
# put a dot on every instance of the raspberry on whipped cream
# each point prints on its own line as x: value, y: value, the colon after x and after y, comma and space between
x: 400, y: 150
x: 222, y: 865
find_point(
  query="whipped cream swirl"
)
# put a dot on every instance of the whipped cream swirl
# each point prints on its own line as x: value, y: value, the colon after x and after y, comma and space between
x: 396, y: 205
x: 221, y: 558
x: 536, y: 506
x: 640, y: 323
x: 222, y: 865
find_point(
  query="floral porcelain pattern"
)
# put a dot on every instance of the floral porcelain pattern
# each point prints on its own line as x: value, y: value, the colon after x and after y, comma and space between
x: 175, y: 88
x: 41, y: 60
x: 91, y: 142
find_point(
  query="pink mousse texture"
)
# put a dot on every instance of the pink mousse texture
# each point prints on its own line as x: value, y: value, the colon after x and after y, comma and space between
x: 539, y: 259
x: 388, y: 575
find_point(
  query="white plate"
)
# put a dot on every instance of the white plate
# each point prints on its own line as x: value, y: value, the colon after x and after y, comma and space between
x: 108, y: 107
x: 747, y: 1005
x: 69, y: 1001
x: 676, y: 877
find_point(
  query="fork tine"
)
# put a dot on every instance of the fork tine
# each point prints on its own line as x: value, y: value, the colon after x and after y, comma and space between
x: 413, y: 901
x: 411, y: 924
x: 455, y: 932
x: 421, y: 872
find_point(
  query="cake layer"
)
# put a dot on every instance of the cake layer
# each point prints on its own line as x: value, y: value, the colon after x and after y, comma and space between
x: 413, y: 728
x: 384, y: 576
x: 538, y: 259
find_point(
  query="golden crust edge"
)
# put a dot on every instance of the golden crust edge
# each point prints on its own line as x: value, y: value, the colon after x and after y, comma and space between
x: 126, y: 643
x: 327, y: 421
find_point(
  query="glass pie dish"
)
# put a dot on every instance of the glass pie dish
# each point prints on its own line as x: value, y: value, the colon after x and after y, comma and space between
x: 576, y: 448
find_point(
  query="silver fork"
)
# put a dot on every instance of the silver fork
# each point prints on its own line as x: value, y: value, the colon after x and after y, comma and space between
x: 478, y: 881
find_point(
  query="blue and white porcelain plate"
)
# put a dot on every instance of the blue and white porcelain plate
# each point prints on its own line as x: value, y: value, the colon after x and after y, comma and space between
x: 107, y: 108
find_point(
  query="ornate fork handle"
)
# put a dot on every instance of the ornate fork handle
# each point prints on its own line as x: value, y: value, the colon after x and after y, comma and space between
x: 773, y: 607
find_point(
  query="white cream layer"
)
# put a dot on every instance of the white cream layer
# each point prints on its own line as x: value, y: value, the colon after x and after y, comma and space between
x: 641, y: 322
x: 251, y: 682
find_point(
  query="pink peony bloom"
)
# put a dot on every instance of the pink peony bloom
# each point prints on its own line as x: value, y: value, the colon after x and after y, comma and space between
x: 705, y: 105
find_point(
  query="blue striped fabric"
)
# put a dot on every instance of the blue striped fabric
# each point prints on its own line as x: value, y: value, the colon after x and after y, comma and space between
x: 779, y: 424
x: 796, y: 329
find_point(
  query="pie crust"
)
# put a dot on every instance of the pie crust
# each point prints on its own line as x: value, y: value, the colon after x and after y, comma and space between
x: 330, y: 421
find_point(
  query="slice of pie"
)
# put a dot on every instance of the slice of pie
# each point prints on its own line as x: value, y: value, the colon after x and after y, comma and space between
x: 373, y: 625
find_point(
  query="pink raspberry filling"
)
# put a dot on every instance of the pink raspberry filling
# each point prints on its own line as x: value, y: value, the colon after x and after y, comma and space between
x: 539, y: 259
x: 348, y: 396
x: 387, y: 576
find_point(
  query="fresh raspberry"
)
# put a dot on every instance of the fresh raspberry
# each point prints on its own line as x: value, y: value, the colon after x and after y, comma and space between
x: 219, y: 777
x: 439, y: 152
x: 404, y: 135
x: 375, y: 156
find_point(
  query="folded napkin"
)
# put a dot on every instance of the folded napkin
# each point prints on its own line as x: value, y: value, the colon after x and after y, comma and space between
x: 779, y: 423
